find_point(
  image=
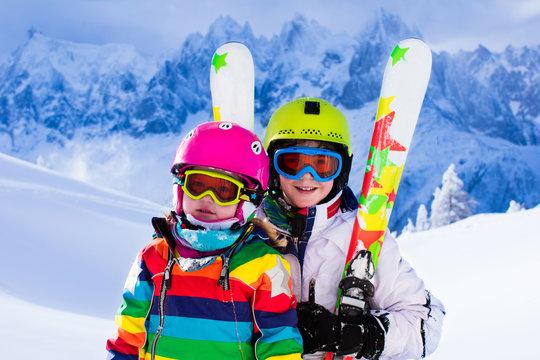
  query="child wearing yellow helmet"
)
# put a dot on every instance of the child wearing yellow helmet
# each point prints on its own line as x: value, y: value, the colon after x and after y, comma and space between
x: 312, y: 211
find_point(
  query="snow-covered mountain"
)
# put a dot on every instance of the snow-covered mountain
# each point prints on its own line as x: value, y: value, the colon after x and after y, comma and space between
x: 67, y: 248
x: 50, y: 89
x: 481, y: 112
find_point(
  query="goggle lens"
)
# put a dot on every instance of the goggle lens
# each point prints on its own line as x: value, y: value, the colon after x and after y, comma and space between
x: 224, y: 190
x: 294, y: 162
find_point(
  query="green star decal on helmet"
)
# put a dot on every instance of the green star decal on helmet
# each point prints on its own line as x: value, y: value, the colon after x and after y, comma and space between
x: 219, y: 61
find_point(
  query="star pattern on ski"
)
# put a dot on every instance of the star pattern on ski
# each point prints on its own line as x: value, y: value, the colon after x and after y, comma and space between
x: 379, y: 160
x: 398, y: 54
x: 388, y: 175
x: 392, y: 196
x: 369, y: 181
x: 375, y: 202
x: 369, y: 237
x: 381, y: 134
x: 219, y: 61
x: 217, y: 114
x: 384, y: 106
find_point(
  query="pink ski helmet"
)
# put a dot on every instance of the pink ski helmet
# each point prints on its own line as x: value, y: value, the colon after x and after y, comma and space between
x: 224, y: 146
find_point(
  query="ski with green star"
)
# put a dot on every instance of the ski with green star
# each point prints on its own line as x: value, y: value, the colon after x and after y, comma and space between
x: 404, y: 85
x: 232, y: 84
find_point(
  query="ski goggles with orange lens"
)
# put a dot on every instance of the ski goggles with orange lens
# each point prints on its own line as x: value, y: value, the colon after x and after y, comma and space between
x: 294, y: 162
x: 224, y: 189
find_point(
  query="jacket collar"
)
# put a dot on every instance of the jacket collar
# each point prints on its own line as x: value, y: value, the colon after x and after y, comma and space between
x: 320, y: 215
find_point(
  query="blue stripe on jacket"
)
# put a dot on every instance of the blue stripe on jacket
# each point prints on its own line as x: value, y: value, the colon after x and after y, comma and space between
x: 205, y: 308
x: 197, y: 329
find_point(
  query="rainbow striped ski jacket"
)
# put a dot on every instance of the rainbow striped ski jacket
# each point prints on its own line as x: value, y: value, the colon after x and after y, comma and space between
x: 237, y: 305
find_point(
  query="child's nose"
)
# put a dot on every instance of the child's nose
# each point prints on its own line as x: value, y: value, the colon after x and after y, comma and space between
x: 307, y: 176
x: 208, y: 198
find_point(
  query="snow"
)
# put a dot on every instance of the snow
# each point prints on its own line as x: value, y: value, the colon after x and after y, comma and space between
x: 67, y: 247
x: 66, y: 244
x: 485, y: 269
x: 36, y: 332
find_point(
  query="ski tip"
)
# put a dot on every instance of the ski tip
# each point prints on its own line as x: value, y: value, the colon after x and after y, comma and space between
x: 232, y: 84
x: 232, y: 54
x: 412, y: 51
x: 416, y: 44
x: 232, y: 45
x: 415, y: 40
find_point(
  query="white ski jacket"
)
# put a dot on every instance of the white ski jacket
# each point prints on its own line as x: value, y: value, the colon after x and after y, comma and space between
x: 415, y: 316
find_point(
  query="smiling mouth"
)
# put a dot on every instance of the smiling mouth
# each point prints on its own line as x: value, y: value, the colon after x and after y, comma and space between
x: 306, y: 188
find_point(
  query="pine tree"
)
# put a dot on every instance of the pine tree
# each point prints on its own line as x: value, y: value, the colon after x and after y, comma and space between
x: 515, y: 206
x: 450, y: 203
x: 422, y: 221
x: 409, y: 228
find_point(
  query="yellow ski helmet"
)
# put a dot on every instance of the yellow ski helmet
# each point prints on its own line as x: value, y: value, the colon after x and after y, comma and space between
x: 308, y: 119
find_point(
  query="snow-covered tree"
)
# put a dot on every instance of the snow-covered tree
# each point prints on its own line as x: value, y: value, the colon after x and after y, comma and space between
x: 515, y: 206
x: 422, y: 221
x: 450, y: 203
x: 409, y: 228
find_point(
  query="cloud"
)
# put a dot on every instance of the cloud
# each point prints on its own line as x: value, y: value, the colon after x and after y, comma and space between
x: 525, y: 9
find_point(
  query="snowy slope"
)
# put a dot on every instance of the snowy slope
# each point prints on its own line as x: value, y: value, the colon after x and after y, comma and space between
x: 485, y: 269
x: 67, y: 246
x: 36, y: 332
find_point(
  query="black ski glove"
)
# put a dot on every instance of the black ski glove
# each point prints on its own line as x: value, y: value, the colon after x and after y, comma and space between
x: 323, y: 331
x: 320, y: 328
x: 363, y: 335
x: 354, y: 333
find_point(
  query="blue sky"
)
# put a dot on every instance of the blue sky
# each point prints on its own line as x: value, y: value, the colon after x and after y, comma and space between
x: 160, y: 26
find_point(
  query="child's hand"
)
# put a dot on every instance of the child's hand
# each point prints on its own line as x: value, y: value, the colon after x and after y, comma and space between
x: 320, y: 328
x: 362, y: 334
x: 356, y: 332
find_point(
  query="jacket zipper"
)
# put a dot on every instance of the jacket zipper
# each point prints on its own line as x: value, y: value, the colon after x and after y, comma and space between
x: 223, y: 280
x: 165, y: 285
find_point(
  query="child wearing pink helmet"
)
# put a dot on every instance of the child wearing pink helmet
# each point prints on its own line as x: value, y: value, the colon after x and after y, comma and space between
x: 207, y: 286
